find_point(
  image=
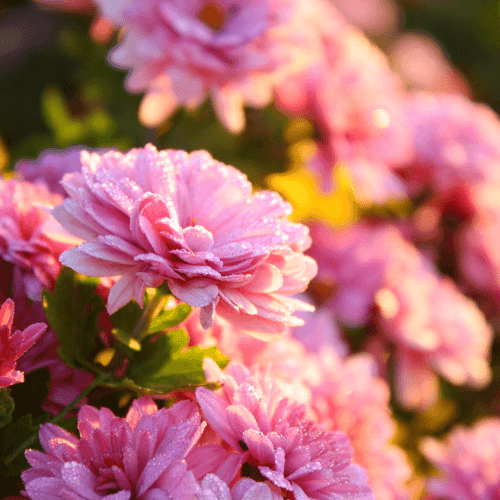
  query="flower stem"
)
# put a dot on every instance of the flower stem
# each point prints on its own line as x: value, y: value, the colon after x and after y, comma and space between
x: 152, y: 309
x: 55, y: 420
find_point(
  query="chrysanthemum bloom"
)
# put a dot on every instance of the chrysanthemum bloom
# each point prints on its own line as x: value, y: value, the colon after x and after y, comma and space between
x: 344, y: 395
x: 424, y: 66
x: 477, y: 247
x: 468, y: 463
x: 351, y: 398
x: 214, y: 488
x: 30, y: 238
x: 383, y: 279
x: 455, y: 140
x: 357, y: 103
x: 49, y: 168
x: 154, y: 216
x: 139, y: 457
x: 236, y: 51
x: 280, y: 444
x: 14, y: 345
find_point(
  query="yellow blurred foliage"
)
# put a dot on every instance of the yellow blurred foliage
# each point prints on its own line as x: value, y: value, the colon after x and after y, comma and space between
x: 4, y: 155
x: 300, y: 188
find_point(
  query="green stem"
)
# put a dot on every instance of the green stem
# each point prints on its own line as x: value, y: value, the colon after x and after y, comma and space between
x: 152, y: 309
x: 28, y: 442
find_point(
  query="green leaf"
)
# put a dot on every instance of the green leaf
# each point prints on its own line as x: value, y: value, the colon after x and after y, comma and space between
x: 6, y: 407
x: 125, y: 339
x: 72, y: 311
x: 13, y: 436
x: 127, y: 317
x: 168, y: 319
x: 165, y: 363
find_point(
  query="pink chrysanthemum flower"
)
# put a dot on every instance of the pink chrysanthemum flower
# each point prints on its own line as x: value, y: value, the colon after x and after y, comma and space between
x: 381, y: 278
x: 279, y: 443
x: 154, y: 216
x: 30, y: 238
x: 477, y: 246
x: 351, y: 398
x: 468, y: 462
x: 14, y: 345
x: 344, y: 395
x: 455, y: 140
x: 214, y: 488
x: 235, y: 50
x: 140, y: 457
x: 49, y: 168
x: 357, y: 103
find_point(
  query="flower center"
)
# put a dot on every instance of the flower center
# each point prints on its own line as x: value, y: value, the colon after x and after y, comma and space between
x: 213, y: 15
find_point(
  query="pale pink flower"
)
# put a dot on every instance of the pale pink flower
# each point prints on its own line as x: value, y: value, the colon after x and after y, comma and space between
x: 138, y: 457
x: 424, y: 65
x: 181, y: 51
x: 375, y: 17
x: 467, y: 461
x: 49, y: 168
x: 456, y: 141
x: 278, y: 442
x: 30, y: 238
x: 193, y: 222
x: 381, y: 278
x: 14, y: 345
x: 344, y: 395
x: 351, y: 398
x: 214, y: 488
x: 357, y: 103
x: 476, y: 244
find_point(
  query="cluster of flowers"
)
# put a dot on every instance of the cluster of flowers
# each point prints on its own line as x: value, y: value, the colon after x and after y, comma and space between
x: 296, y: 418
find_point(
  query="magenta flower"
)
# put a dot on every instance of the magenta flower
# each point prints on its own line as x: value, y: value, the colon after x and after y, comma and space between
x: 477, y: 248
x: 279, y: 443
x: 180, y: 51
x: 382, y: 279
x: 351, y: 398
x: 49, y: 168
x: 214, y: 488
x: 468, y: 463
x: 140, y: 457
x: 154, y: 216
x: 456, y: 142
x: 29, y: 236
x: 344, y: 395
x: 14, y: 345
x: 357, y: 103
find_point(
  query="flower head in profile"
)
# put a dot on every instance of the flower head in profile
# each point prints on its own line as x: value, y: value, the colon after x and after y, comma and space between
x: 279, y: 444
x: 468, y: 463
x: 456, y: 141
x: 381, y: 278
x: 30, y: 238
x: 14, y: 345
x: 154, y: 216
x: 139, y: 457
x: 49, y: 168
x: 180, y: 51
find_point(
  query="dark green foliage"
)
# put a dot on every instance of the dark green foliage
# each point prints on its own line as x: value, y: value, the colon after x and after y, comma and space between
x: 165, y: 363
x: 11, y: 437
x: 6, y: 407
x: 72, y: 311
x: 169, y: 318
